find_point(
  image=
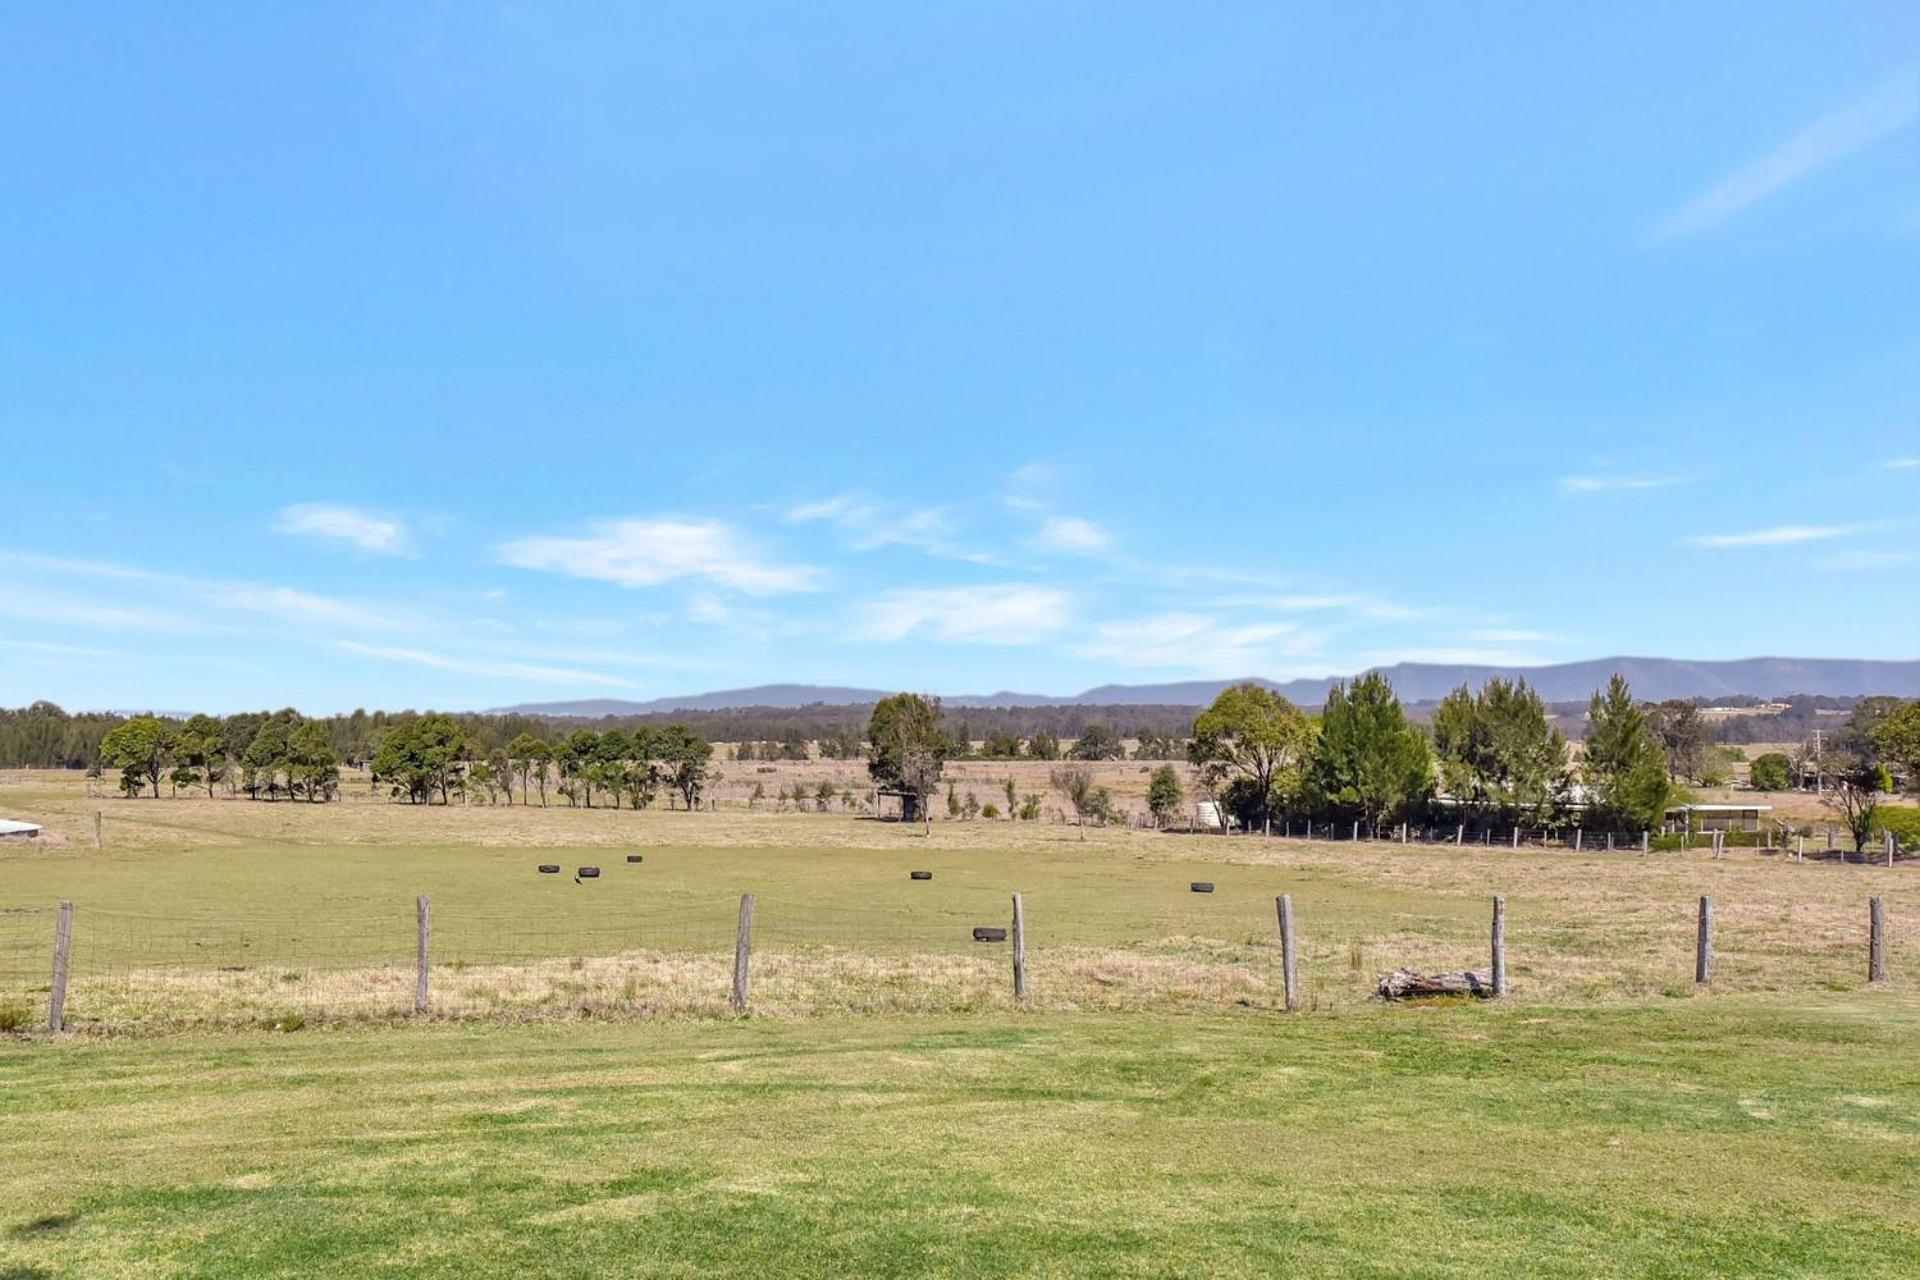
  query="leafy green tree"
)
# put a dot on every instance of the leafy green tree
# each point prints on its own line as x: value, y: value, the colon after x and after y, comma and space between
x: 1252, y: 736
x: 202, y: 746
x: 139, y: 748
x: 266, y: 756
x: 1625, y: 763
x: 1497, y: 752
x: 1895, y: 738
x: 1098, y: 742
x: 1002, y: 744
x: 1165, y: 796
x: 1156, y: 745
x: 684, y: 756
x: 312, y: 767
x: 1043, y: 746
x: 1367, y: 760
x: 906, y: 749
x: 574, y: 757
x: 523, y: 753
x: 1770, y: 772
x: 419, y: 757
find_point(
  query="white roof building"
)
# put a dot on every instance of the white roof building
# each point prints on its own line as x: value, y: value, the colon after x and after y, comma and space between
x: 8, y: 827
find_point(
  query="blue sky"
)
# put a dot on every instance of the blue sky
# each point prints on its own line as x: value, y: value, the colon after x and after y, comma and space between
x: 462, y: 355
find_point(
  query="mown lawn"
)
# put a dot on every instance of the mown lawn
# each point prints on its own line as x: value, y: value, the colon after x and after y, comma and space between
x: 1749, y: 1135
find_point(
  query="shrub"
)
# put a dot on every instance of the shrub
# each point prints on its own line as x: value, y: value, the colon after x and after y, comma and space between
x: 15, y: 1017
x: 1902, y: 821
x: 1771, y: 772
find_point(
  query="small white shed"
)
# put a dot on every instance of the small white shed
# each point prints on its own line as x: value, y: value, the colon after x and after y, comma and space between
x: 27, y: 830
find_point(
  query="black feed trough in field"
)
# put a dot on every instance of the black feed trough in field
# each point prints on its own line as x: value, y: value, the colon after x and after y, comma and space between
x: 549, y: 868
x: 920, y: 875
x: 1201, y: 886
x: 588, y: 873
x: 985, y: 933
x: 636, y: 857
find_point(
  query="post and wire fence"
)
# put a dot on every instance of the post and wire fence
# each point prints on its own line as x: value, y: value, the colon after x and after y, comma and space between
x: 956, y: 950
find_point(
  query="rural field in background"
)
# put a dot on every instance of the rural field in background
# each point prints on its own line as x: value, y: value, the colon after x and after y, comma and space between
x: 247, y: 1093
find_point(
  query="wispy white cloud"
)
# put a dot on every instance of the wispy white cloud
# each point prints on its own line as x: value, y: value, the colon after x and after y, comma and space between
x: 1613, y: 484
x: 1360, y: 605
x: 1073, y: 535
x: 481, y: 666
x: 368, y: 530
x: 177, y: 602
x: 639, y: 552
x: 1870, y: 560
x: 1009, y: 613
x: 1778, y: 536
x: 1860, y: 123
x: 866, y: 525
x: 1901, y: 464
x: 1184, y: 641
x: 28, y: 603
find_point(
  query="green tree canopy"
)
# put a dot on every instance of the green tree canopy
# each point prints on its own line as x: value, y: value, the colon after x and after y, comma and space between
x: 1895, y: 739
x: 1098, y: 742
x: 906, y: 749
x: 1625, y: 763
x: 1253, y: 736
x: 139, y: 749
x: 1770, y: 772
x: 1498, y: 754
x: 1165, y: 795
x: 1367, y: 760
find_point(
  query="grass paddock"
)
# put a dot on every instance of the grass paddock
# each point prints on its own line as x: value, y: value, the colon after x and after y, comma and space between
x: 1744, y: 1136
x: 584, y: 1103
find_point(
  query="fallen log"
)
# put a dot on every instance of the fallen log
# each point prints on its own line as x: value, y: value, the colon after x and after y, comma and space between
x: 1405, y: 984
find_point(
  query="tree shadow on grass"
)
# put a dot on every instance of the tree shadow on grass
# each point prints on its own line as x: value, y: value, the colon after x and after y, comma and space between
x: 46, y: 1226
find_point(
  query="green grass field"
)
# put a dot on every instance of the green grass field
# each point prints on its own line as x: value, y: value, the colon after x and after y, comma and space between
x: 586, y: 1105
x: 1743, y: 1136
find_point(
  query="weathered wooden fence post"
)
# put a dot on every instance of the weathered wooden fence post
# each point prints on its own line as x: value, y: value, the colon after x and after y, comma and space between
x: 1876, y: 939
x: 1703, y: 944
x: 1499, y: 946
x: 1799, y: 848
x: 62, y: 955
x: 1643, y: 842
x: 1892, y: 844
x: 99, y: 832
x: 422, y: 951
x: 1516, y: 835
x: 1289, y: 954
x: 742, y: 953
x: 1460, y: 835
x: 1576, y: 839
x: 1019, y: 949
x: 1356, y: 830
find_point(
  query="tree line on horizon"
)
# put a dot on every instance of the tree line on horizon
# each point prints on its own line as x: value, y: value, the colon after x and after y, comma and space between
x: 1493, y: 754
x: 1488, y: 757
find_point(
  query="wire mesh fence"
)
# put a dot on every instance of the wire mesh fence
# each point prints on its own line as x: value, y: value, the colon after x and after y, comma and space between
x: 895, y: 950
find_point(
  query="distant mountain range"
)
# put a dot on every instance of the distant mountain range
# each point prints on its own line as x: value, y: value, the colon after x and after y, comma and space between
x: 1651, y: 678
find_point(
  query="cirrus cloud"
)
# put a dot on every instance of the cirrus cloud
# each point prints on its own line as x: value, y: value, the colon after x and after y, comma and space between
x: 1008, y: 613
x: 368, y: 530
x: 640, y: 552
x: 1779, y: 536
